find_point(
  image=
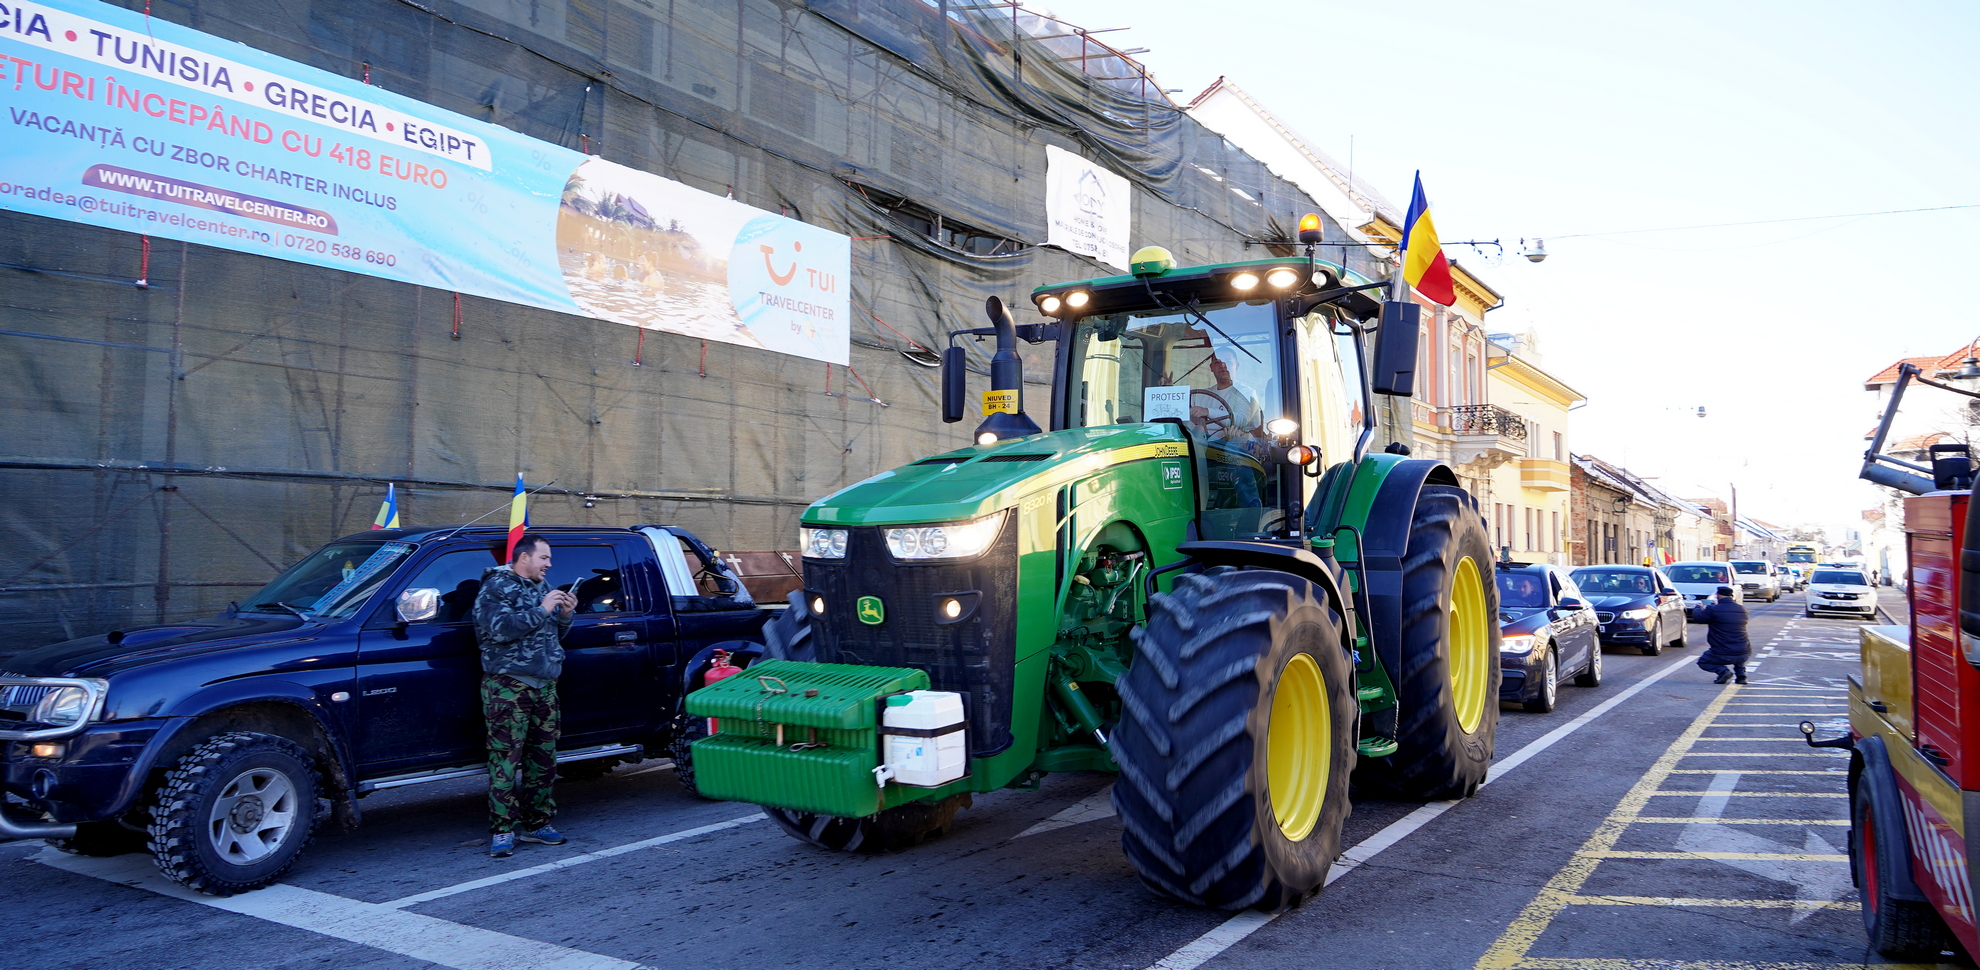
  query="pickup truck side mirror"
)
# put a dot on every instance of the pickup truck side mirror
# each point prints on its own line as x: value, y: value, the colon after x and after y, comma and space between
x: 418, y: 604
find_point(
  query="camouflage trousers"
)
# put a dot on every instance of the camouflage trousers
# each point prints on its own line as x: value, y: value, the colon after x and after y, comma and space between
x: 523, y: 723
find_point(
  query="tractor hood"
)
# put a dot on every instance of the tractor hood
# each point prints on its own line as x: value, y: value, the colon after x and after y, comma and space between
x: 976, y: 481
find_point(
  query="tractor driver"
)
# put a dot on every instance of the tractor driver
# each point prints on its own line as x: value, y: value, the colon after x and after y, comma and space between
x: 1225, y: 411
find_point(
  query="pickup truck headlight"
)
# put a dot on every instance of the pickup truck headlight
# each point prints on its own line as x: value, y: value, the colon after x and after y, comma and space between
x: 1638, y: 614
x: 961, y: 540
x: 65, y: 706
x: 823, y: 543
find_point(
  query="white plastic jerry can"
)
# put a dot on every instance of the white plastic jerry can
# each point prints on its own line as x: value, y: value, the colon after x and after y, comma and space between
x: 921, y: 739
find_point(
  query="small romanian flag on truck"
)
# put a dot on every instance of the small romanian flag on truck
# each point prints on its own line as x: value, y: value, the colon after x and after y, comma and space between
x: 518, y: 519
x: 1424, y: 265
x: 388, y: 511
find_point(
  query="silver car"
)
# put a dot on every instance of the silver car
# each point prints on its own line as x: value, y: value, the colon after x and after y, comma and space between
x: 1700, y: 581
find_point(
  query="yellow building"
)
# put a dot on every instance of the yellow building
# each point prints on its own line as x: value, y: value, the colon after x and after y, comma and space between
x: 1526, y: 496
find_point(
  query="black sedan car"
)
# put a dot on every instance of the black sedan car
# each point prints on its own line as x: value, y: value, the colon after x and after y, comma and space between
x: 1636, y: 606
x: 1546, y: 630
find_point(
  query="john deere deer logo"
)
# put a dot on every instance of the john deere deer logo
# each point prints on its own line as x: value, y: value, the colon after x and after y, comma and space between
x: 871, y: 612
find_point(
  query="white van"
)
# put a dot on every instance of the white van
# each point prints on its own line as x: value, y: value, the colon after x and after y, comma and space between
x: 1700, y: 582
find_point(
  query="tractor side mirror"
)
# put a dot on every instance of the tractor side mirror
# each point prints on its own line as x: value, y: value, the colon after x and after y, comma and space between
x: 955, y: 374
x: 1395, y: 350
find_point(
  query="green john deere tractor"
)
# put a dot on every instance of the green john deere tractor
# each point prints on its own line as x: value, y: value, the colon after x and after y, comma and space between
x: 1197, y: 579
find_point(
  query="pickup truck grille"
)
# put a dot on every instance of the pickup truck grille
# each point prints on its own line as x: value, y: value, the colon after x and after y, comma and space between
x: 17, y: 700
x: 976, y: 658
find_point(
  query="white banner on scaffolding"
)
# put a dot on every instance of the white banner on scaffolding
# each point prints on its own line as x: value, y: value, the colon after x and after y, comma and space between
x: 1087, y: 208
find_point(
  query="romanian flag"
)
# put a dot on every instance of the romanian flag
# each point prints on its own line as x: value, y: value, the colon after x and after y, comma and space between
x: 388, y: 511
x: 1424, y: 265
x: 518, y: 519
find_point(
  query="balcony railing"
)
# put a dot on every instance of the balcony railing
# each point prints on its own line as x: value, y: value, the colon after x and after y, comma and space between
x: 1484, y: 419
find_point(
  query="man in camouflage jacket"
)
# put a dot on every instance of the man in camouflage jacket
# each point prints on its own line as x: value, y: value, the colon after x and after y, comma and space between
x: 520, y: 622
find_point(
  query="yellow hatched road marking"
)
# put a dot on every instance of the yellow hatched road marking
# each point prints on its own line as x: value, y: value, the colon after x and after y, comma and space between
x: 1754, y: 754
x: 1510, y: 949
x: 1757, y: 771
x: 1573, y: 963
x: 1846, y: 906
x: 1755, y: 794
x: 1726, y: 820
x: 1754, y: 856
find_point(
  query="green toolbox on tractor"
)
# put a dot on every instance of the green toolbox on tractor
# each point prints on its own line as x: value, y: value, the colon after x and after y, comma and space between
x: 1197, y: 578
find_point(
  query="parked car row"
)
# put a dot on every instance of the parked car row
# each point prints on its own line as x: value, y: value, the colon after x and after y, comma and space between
x: 1554, y: 623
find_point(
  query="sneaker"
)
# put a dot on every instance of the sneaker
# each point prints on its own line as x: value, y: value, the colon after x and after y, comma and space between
x: 544, y: 836
x: 503, y: 845
x: 1724, y: 675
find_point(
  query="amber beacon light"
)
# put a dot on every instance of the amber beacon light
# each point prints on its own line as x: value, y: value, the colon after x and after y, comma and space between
x: 1309, y: 227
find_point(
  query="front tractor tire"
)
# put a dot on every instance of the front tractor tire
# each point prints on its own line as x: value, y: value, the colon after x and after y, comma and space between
x: 1236, y: 741
x: 788, y: 637
x: 1448, y: 684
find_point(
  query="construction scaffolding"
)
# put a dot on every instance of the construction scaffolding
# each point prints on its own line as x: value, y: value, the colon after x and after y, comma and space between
x: 185, y: 420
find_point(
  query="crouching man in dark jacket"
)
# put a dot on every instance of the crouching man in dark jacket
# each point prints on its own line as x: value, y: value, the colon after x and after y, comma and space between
x: 1726, y: 638
x: 520, y: 622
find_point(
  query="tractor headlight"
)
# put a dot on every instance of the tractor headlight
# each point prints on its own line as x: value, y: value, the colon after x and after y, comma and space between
x: 962, y: 540
x: 823, y: 543
x: 1638, y: 614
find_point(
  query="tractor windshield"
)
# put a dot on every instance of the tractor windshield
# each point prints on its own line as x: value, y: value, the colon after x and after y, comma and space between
x: 1216, y: 369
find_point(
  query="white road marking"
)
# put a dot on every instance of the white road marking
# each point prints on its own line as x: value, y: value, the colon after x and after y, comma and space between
x: 1233, y: 931
x: 427, y: 938
x: 1092, y: 808
x: 1816, y: 884
x: 576, y: 860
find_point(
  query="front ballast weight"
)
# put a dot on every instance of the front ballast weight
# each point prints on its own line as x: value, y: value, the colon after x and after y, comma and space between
x: 830, y: 739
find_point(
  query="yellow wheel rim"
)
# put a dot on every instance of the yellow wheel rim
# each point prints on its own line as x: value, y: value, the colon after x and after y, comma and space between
x: 1298, y: 743
x: 1471, y: 645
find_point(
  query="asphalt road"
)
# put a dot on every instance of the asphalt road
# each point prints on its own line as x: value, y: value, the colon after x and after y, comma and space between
x: 1575, y: 854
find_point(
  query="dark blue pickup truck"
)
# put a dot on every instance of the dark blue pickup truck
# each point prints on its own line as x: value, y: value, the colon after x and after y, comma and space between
x: 220, y: 744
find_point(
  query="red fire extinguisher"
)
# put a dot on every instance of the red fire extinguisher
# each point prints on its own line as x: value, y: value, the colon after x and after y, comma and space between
x: 719, y: 669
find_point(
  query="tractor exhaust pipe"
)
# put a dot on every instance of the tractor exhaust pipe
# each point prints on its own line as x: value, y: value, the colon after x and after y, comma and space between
x: 1003, y: 406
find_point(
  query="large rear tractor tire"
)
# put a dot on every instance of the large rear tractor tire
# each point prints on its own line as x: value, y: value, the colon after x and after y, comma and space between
x: 1237, y: 740
x: 1448, y: 684
x: 788, y: 637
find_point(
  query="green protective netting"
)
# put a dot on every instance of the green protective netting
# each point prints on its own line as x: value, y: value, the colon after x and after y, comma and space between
x: 169, y: 448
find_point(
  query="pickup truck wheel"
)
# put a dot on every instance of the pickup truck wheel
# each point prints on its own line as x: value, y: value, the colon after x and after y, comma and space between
x: 896, y: 828
x: 234, y: 813
x: 687, y: 730
x: 101, y: 839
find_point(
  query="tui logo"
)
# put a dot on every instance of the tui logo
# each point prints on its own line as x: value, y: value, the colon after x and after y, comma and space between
x: 870, y: 610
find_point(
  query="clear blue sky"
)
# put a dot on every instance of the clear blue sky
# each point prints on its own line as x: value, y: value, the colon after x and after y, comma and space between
x: 1555, y: 119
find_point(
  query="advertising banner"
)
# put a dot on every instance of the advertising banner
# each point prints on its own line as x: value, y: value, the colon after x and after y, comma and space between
x: 117, y: 120
x: 1087, y: 208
